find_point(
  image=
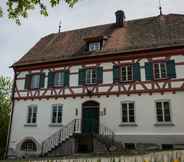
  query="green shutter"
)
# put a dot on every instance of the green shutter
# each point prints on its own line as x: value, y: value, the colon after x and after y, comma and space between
x: 99, y: 74
x: 171, y: 69
x: 136, y: 71
x: 115, y: 73
x: 27, y: 81
x: 42, y: 80
x: 82, y: 76
x: 66, y: 78
x: 50, y: 79
x: 149, y: 70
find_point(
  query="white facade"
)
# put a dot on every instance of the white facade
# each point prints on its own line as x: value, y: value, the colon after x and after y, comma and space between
x: 145, y: 130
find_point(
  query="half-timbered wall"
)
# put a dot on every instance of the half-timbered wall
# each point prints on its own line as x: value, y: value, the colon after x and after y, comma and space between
x: 143, y: 93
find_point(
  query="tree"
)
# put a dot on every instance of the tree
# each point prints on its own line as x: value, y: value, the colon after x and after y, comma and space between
x: 5, y: 103
x: 18, y: 9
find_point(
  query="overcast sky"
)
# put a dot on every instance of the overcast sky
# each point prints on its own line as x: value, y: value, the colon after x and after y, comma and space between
x: 15, y: 40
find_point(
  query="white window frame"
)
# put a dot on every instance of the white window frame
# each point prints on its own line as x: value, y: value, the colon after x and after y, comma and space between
x: 35, y: 81
x: 91, y: 79
x: 60, y: 81
x: 128, y: 122
x: 52, y: 109
x: 126, y: 71
x: 94, y: 46
x: 33, y: 108
x: 160, y: 71
x: 163, y: 117
x: 29, y: 146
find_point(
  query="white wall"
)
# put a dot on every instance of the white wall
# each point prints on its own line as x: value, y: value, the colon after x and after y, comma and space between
x: 144, y: 106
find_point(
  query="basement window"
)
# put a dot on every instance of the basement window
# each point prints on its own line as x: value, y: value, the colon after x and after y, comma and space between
x: 130, y: 146
x: 28, y: 146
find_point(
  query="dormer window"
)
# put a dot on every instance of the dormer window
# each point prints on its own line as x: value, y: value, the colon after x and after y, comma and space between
x: 94, y: 46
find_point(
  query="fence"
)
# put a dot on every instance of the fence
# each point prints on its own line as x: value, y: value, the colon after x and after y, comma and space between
x: 165, y: 156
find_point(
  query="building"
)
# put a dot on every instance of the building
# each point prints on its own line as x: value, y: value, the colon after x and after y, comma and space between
x: 100, y: 89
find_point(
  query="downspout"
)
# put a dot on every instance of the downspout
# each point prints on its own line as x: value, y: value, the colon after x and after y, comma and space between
x: 11, y: 115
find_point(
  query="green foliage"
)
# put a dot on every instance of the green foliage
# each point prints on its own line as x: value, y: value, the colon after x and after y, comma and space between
x: 18, y: 9
x: 5, y: 103
x: 1, y: 12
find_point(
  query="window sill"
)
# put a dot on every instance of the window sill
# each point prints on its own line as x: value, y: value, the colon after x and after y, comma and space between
x: 30, y: 125
x: 128, y: 125
x: 55, y: 125
x: 164, y: 124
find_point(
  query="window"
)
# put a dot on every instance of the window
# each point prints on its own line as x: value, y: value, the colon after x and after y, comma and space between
x: 91, y: 76
x: 130, y: 146
x: 32, y: 114
x: 94, y: 46
x: 59, y: 79
x: 126, y: 73
x: 28, y: 146
x: 57, y: 111
x: 160, y: 70
x: 167, y: 147
x: 163, y: 111
x: 128, y: 112
x: 35, y: 81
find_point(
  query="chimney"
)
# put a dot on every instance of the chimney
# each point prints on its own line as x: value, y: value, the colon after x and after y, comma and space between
x: 120, y: 18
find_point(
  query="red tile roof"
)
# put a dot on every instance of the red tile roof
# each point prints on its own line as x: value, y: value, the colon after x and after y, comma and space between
x: 147, y: 33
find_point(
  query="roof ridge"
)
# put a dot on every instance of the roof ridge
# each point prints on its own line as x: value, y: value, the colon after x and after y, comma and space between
x: 102, y: 25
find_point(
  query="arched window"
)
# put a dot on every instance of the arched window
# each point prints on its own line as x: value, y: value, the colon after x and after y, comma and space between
x: 28, y: 146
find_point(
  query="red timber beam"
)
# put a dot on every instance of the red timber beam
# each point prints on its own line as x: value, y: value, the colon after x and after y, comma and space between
x: 149, y: 87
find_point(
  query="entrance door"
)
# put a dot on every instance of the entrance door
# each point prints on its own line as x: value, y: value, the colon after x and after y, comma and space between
x: 90, y: 117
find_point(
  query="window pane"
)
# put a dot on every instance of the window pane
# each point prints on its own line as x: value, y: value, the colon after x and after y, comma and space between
x: 157, y: 71
x: 131, y: 118
x: 126, y: 73
x: 59, y: 120
x: 29, y: 115
x: 124, y: 113
x: 35, y: 81
x: 94, y: 76
x: 54, y: 114
x: 91, y: 76
x: 129, y: 72
x: 123, y: 74
x: 131, y: 112
x: 167, y: 112
x: 93, y: 46
x: 163, y: 70
x: 159, y: 111
x: 59, y: 78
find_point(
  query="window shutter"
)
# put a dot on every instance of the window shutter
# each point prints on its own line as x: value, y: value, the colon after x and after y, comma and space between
x: 171, y: 69
x: 27, y: 81
x: 42, y: 80
x: 82, y: 76
x: 136, y: 71
x: 50, y: 79
x: 66, y: 78
x: 149, y: 70
x: 99, y: 74
x: 116, y: 73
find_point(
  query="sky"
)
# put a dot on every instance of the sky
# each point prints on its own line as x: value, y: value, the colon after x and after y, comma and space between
x: 16, y: 40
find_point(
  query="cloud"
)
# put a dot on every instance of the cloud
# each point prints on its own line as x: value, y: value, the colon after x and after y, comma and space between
x: 15, y: 40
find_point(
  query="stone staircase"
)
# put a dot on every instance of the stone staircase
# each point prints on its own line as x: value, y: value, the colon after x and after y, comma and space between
x: 60, y: 136
x: 63, y: 141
